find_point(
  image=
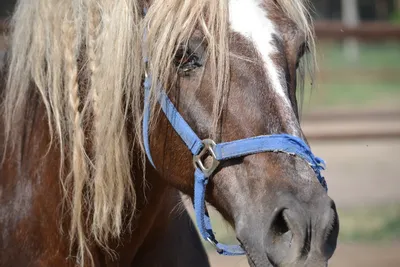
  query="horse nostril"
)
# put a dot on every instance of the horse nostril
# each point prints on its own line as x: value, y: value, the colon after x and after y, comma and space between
x: 332, y: 232
x: 279, y: 225
x: 279, y: 238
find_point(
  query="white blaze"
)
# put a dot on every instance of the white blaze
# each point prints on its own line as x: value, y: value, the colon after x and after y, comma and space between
x: 250, y: 19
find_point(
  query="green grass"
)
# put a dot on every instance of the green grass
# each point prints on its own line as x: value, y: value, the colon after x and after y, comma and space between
x: 372, y: 81
x: 395, y: 18
x: 372, y: 56
x: 348, y: 95
x: 375, y: 224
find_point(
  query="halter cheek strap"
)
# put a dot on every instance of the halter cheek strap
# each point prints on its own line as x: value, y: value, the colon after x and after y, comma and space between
x: 219, y: 152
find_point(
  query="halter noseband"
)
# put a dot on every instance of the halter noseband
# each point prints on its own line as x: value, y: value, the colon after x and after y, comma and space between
x: 220, y: 152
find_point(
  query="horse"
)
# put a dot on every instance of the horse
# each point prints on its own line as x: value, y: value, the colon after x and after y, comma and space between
x: 93, y: 163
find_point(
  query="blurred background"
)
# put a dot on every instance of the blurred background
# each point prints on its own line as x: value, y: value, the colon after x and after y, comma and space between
x: 352, y: 120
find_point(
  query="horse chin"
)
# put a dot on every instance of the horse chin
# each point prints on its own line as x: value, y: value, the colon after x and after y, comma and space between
x: 265, y: 262
x: 252, y: 262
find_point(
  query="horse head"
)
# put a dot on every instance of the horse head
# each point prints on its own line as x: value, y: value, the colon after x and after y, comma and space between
x: 281, y: 214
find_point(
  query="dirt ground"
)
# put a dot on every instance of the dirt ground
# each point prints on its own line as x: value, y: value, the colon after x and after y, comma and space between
x: 360, y: 173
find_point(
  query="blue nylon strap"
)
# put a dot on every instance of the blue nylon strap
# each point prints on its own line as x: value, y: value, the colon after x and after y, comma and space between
x: 223, y: 151
x: 271, y: 143
x: 178, y: 123
x: 253, y: 145
x: 194, y: 144
x: 203, y: 220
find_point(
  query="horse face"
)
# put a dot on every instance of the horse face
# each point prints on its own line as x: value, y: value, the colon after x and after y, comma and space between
x: 281, y: 214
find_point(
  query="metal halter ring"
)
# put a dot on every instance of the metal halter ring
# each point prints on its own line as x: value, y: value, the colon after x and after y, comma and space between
x: 208, y: 148
x: 214, y: 244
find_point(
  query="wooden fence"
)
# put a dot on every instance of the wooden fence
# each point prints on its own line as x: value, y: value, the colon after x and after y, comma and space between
x: 336, y: 30
x: 366, y: 31
x: 338, y: 125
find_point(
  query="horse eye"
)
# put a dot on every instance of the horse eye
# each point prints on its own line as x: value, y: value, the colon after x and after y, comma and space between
x: 304, y: 49
x: 186, y: 60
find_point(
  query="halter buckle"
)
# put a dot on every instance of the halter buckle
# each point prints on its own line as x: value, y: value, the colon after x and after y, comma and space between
x: 208, y: 148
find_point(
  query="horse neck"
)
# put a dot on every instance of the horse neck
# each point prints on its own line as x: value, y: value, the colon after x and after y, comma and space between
x: 155, y: 203
x: 34, y: 159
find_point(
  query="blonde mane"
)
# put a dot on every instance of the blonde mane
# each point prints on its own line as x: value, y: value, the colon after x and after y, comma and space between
x: 84, y: 58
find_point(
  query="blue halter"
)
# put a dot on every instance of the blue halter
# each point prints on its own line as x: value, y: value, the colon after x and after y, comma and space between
x: 219, y: 152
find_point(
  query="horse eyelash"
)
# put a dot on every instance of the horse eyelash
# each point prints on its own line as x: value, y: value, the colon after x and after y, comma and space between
x: 303, y: 50
x: 186, y: 60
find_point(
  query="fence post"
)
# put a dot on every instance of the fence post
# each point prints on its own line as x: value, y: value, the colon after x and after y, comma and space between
x: 397, y: 8
x: 382, y: 9
x: 351, y: 18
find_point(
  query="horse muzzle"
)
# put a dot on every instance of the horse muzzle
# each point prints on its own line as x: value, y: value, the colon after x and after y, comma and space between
x: 296, y: 233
